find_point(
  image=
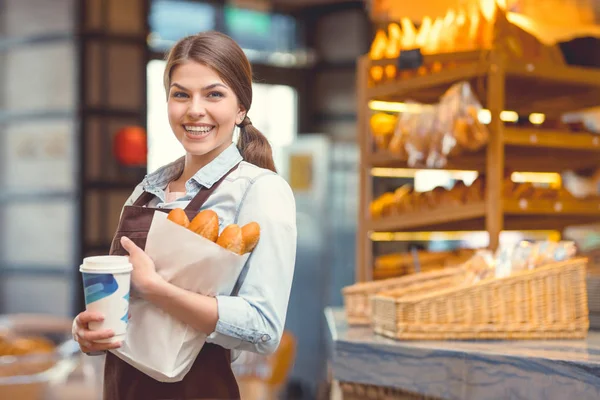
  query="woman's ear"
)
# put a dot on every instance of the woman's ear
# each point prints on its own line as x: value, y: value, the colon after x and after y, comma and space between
x: 240, y: 115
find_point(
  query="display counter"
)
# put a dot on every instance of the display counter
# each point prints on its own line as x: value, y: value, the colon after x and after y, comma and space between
x: 369, y: 366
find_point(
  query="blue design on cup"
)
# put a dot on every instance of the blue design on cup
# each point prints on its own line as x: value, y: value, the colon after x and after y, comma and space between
x: 98, y: 286
x: 125, y: 318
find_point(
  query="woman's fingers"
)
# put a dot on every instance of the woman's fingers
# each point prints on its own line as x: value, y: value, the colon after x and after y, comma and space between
x: 92, y: 336
x: 84, y: 318
x: 93, y: 347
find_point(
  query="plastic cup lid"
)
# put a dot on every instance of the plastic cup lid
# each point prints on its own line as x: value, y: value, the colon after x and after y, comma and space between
x: 108, y: 264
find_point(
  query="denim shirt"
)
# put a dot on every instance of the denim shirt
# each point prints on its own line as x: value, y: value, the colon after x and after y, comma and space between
x: 253, y: 318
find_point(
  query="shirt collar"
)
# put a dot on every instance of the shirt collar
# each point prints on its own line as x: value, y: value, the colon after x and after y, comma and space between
x: 206, y: 176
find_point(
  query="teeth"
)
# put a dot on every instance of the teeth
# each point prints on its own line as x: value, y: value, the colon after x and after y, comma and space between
x: 203, y: 129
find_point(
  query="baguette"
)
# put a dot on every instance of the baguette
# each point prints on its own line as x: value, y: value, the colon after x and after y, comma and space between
x: 231, y: 239
x: 250, y: 235
x: 178, y: 216
x: 206, y: 224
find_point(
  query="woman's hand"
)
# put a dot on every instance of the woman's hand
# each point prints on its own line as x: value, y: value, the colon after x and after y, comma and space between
x: 86, y: 338
x: 144, y: 275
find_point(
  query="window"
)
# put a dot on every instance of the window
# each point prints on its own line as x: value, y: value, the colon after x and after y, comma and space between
x: 172, y: 20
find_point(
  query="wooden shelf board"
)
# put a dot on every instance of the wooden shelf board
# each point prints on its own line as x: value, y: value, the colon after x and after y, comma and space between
x: 527, y: 149
x: 551, y: 208
x: 468, y: 161
x: 518, y: 215
x: 545, y: 138
x: 416, y: 88
x: 551, y: 89
x: 428, y: 59
x: 428, y: 218
x: 559, y: 74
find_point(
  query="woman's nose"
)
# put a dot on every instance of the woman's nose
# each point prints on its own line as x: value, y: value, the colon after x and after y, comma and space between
x: 196, y: 108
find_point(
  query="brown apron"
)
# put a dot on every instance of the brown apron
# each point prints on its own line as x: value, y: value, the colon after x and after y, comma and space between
x: 211, y: 376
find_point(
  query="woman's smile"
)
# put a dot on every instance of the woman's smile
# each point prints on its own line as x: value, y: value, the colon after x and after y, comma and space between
x: 198, y: 131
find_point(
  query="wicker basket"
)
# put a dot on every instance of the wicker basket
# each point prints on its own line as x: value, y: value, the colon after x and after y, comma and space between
x: 358, y: 391
x: 357, y: 297
x: 549, y: 302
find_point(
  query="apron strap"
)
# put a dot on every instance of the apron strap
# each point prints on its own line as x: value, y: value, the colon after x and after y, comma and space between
x: 204, y: 193
x: 144, y: 199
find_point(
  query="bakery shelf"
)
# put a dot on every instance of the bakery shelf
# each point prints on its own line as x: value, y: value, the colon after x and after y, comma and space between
x: 500, y: 84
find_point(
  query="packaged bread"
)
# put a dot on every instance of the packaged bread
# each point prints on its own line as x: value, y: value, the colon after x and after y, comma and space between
x: 240, y: 240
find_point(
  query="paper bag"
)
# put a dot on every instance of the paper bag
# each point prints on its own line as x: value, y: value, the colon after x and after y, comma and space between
x: 156, y: 343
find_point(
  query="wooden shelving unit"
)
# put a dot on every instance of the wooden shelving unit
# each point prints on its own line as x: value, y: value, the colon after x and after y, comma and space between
x: 500, y: 84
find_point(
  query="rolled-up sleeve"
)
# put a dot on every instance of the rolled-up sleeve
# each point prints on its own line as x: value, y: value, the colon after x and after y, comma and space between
x: 253, y: 320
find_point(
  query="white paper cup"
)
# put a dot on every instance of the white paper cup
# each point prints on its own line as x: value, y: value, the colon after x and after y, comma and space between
x: 106, y: 282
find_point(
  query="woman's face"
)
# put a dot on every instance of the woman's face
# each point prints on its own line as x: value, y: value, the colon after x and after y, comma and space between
x: 203, y: 110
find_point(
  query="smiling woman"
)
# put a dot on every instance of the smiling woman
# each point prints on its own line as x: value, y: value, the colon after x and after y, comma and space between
x: 208, y: 81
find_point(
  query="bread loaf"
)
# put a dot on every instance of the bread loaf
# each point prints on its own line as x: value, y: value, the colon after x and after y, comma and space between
x: 251, y: 235
x: 231, y: 239
x: 178, y: 216
x: 206, y: 224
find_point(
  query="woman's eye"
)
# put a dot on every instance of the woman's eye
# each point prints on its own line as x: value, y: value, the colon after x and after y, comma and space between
x: 215, y: 95
x: 179, y: 95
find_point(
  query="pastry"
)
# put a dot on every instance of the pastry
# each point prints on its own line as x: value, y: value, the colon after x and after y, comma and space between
x: 206, y: 224
x: 178, y: 216
x: 251, y: 235
x: 475, y: 192
x: 231, y: 239
x: 524, y: 190
x: 456, y: 195
x: 436, y: 197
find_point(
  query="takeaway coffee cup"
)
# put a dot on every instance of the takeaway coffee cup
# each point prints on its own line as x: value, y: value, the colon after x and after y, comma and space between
x: 106, y: 282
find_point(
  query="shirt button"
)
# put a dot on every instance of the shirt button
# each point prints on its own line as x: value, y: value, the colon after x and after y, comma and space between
x: 265, y: 338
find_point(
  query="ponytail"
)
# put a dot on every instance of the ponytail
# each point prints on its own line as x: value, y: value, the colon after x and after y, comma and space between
x: 254, y: 146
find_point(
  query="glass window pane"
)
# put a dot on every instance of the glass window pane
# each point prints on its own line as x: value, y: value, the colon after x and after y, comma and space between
x: 33, y: 294
x: 39, y: 78
x: 36, y: 17
x: 37, y: 156
x: 172, y: 20
x: 38, y: 233
x: 260, y: 31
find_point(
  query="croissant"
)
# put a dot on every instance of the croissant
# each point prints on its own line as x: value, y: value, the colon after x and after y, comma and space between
x: 178, y: 216
x: 206, y: 224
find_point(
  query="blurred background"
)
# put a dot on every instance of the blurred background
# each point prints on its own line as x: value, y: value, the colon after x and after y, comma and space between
x: 83, y: 119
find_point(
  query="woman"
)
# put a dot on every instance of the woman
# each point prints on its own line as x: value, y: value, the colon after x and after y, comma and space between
x: 208, y: 80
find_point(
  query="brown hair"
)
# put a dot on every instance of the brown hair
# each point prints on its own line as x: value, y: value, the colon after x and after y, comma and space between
x: 222, y: 54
